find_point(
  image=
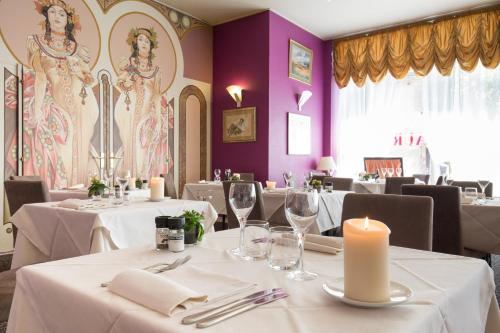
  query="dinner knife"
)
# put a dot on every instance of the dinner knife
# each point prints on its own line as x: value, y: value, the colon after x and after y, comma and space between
x: 191, y: 319
x: 231, y: 313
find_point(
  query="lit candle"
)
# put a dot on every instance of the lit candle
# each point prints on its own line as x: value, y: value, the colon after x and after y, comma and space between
x: 366, y: 260
x: 270, y: 185
x: 157, y: 186
x: 131, y: 183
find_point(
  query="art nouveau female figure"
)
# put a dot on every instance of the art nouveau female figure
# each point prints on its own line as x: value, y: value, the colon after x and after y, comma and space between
x: 59, y: 114
x: 142, y: 113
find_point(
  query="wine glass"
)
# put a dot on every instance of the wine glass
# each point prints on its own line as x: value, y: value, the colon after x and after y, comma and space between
x: 307, y: 179
x: 288, y: 178
x: 122, y: 181
x: 217, y: 175
x: 227, y: 173
x: 242, y: 197
x: 471, y: 193
x: 390, y: 172
x: 383, y: 172
x: 483, y: 184
x: 301, y: 209
x: 399, y: 171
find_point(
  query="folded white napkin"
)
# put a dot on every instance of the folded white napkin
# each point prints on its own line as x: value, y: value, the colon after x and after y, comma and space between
x: 203, y: 181
x: 174, y: 290
x: 323, y: 244
x: 77, y: 187
x: 74, y: 204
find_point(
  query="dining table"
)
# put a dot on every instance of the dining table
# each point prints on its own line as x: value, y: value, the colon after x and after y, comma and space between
x: 47, y: 231
x: 450, y: 294
x: 480, y: 222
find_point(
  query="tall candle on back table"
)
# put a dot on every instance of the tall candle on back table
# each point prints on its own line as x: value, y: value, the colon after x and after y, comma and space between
x: 157, y: 187
x: 366, y: 260
x: 131, y: 183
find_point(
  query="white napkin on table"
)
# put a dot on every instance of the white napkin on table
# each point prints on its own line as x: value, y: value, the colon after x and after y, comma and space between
x: 173, y: 290
x: 323, y: 244
x: 77, y: 187
x: 76, y: 204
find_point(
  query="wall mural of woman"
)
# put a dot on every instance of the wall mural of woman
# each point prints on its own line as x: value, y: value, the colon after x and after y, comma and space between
x: 142, y: 114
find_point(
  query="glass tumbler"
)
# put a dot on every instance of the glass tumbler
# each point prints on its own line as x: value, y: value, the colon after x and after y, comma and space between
x: 283, y: 251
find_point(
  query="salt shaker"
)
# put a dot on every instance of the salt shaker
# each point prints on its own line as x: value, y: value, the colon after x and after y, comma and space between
x: 176, y: 234
x: 162, y: 232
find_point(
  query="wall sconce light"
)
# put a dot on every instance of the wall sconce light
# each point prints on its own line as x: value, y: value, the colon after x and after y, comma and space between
x: 303, y: 98
x: 235, y: 92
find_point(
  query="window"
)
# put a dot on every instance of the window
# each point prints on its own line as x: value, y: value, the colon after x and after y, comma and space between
x: 429, y: 121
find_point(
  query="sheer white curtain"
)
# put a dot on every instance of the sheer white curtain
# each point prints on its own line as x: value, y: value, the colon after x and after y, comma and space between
x: 426, y: 120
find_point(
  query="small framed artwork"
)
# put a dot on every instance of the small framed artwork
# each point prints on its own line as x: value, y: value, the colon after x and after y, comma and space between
x: 299, y: 134
x: 300, y: 61
x: 239, y: 125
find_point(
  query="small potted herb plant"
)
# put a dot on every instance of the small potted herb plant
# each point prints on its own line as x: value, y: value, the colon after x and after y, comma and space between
x: 193, y: 228
x: 316, y: 184
x: 96, y: 188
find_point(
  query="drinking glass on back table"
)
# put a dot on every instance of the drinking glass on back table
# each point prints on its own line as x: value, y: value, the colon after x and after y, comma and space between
x: 383, y: 172
x: 217, y: 175
x: 227, y: 173
x: 122, y: 179
x: 288, y: 177
x: 301, y: 209
x: 390, y: 172
x: 470, y: 192
x: 399, y: 171
x: 242, y: 197
x: 483, y: 184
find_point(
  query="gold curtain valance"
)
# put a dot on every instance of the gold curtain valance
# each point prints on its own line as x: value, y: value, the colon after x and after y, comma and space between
x: 466, y: 39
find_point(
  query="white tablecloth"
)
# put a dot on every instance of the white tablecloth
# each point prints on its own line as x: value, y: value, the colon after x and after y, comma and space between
x: 369, y: 187
x: 481, y: 226
x: 192, y: 191
x: 60, y: 195
x: 47, y: 232
x: 451, y: 294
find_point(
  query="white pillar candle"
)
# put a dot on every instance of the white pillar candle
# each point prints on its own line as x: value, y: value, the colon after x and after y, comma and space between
x: 157, y: 186
x: 131, y: 183
x: 366, y: 260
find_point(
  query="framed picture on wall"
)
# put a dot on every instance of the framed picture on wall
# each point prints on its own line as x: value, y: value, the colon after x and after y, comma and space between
x: 299, y: 134
x: 239, y: 125
x: 300, y: 61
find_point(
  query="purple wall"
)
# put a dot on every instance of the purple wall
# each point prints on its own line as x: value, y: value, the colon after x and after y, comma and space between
x: 241, y: 51
x: 253, y: 52
x: 283, y: 99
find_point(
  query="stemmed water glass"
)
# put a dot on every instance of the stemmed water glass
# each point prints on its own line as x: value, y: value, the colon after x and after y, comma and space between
x: 288, y: 178
x: 301, y: 209
x: 227, y: 173
x: 483, y: 184
x: 390, y: 172
x: 307, y: 179
x: 383, y: 172
x: 122, y: 181
x: 399, y: 171
x: 217, y: 175
x: 242, y: 197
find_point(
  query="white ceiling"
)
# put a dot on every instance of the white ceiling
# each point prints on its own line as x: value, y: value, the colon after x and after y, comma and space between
x: 328, y: 19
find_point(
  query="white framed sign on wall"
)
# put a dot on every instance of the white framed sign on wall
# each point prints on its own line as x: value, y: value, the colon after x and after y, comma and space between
x: 299, y: 134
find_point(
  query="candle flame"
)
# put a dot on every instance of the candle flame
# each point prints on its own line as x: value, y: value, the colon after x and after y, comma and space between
x: 366, y: 223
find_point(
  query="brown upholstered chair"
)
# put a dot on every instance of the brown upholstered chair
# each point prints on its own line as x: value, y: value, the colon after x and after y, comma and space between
x: 25, y: 178
x: 339, y: 184
x: 393, y: 184
x: 408, y: 217
x: 170, y: 190
x: 422, y: 177
x: 463, y: 184
x: 21, y: 192
x: 447, y: 235
x: 257, y: 212
x: 246, y: 176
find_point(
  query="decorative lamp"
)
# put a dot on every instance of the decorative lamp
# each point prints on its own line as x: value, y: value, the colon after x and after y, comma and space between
x: 326, y: 163
x: 236, y: 93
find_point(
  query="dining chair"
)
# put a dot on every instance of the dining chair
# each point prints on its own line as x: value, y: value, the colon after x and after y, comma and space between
x: 170, y: 190
x: 21, y: 192
x: 463, y: 184
x: 422, y: 177
x: 447, y: 234
x: 246, y: 176
x: 257, y: 212
x: 408, y: 217
x: 393, y: 184
x: 25, y: 178
x: 340, y: 184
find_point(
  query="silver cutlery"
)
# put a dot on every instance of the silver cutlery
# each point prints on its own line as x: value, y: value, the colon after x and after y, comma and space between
x: 191, y: 319
x: 239, y: 310
x: 178, y: 262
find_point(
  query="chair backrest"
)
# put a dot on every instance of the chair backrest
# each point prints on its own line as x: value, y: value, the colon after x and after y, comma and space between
x: 393, y: 184
x: 422, y: 177
x: 408, y: 217
x: 246, y: 176
x: 21, y: 192
x: 373, y: 164
x: 170, y: 190
x: 463, y: 184
x: 25, y: 178
x: 447, y: 235
x: 257, y: 212
x: 339, y: 184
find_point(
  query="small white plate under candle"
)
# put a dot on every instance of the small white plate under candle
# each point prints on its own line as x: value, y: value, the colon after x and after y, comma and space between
x: 159, y: 199
x: 398, y: 294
